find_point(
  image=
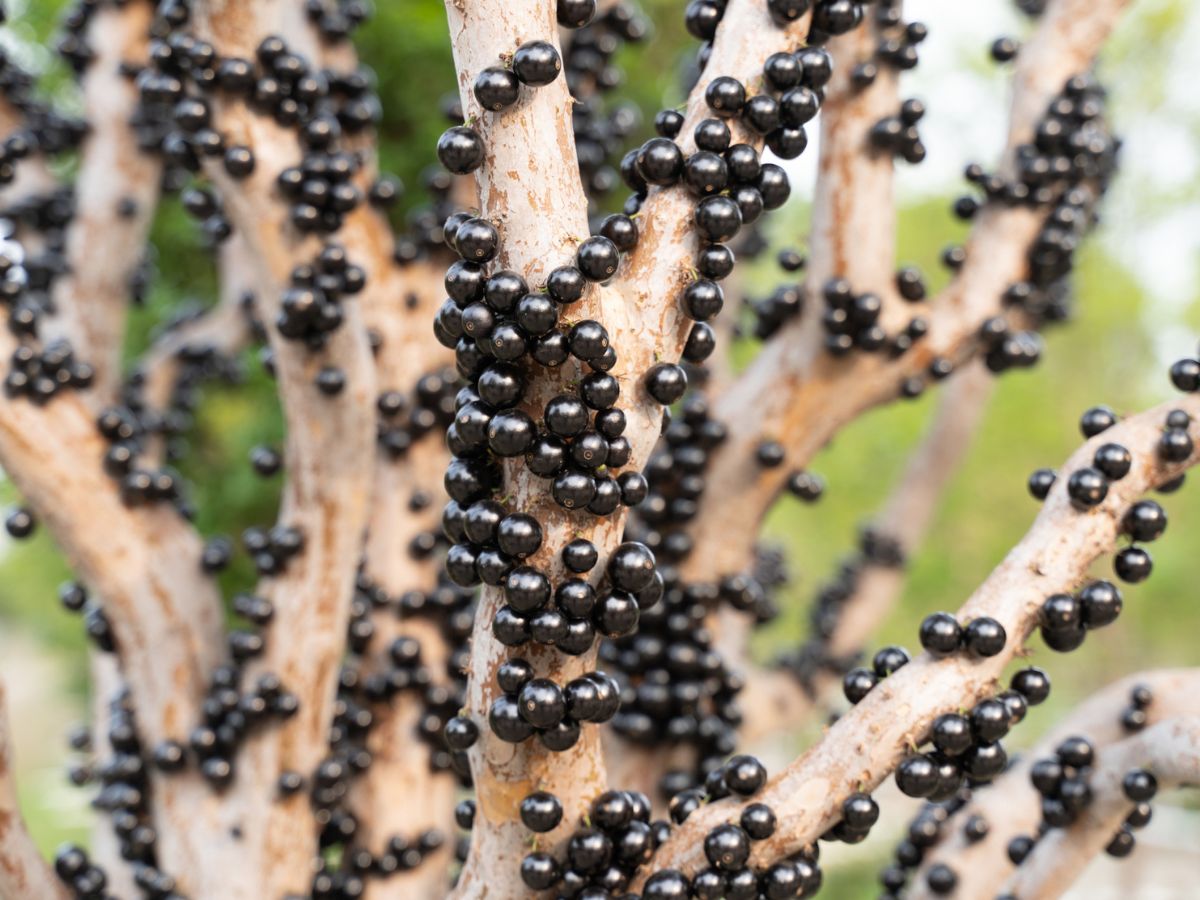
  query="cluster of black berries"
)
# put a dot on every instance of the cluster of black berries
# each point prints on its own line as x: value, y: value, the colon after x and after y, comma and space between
x: 960, y: 740
x: 71, y: 44
x: 852, y: 321
x: 897, y: 47
x: 590, y: 72
x: 311, y: 308
x: 1062, y: 783
x: 783, y: 304
x: 493, y: 323
x: 347, y: 880
x: 603, y: 855
x: 898, y: 134
x: 321, y: 188
x: 196, y: 363
x: 123, y: 779
x: 46, y: 213
x: 41, y: 374
x: 1064, y: 171
x: 229, y: 715
x: 336, y: 20
x: 41, y: 129
x: 727, y: 847
x: 127, y: 436
x: 530, y: 705
x: 734, y: 186
x: 967, y: 746
x: 924, y: 832
x: 1088, y: 487
x: 175, y: 117
x: 38, y: 374
x: 404, y: 670
x: 83, y: 878
x: 876, y: 549
x: 964, y: 745
x: 74, y: 598
x: 1134, y: 716
x: 577, y: 612
x: 403, y: 420
x: 676, y: 688
x: 941, y: 635
x: 272, y: 549
x: 829, y: 17
x: 675, y: 481
x: 1176, y: 444
x: 1004, y: 349
x: 859, y: 681
x: 534, y: 64
x: 928, y: 826
x: 1065, y: 619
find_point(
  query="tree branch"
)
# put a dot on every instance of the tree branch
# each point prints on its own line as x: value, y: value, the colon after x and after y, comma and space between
x: 867, y: 743
x: 23, y: 872
x: 1169, y: 750
x: 329, y: 459
x: 1010, y: 805
x: 656, y: 272
x: 144, y: 563
x: 854, y: 218
x: 116, y: 192
x: 905, y: 520
x: 540, y: 219
x: 798, y: 395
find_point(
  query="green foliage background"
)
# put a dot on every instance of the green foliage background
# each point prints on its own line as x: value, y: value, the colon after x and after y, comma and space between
x: 1105, y: 356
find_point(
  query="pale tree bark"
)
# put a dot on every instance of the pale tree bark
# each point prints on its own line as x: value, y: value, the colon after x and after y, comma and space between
x: 1010, y: 805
